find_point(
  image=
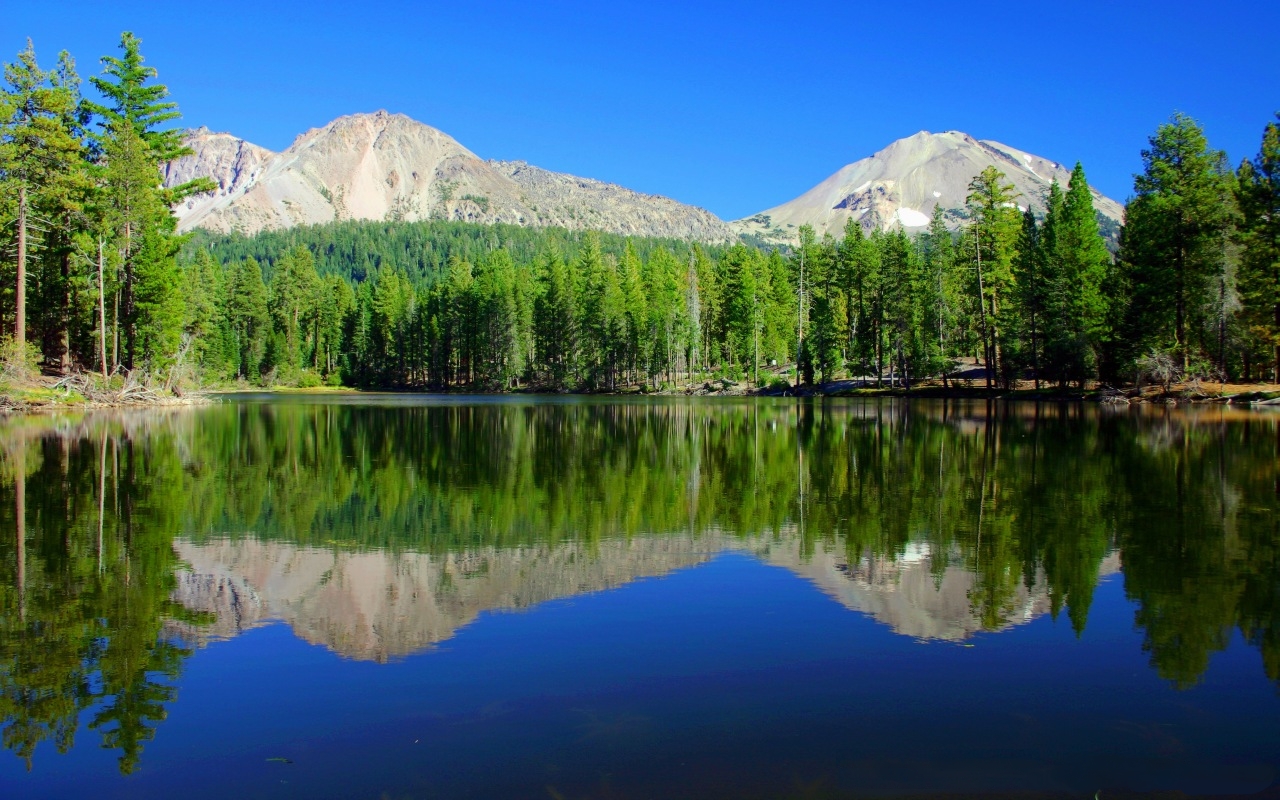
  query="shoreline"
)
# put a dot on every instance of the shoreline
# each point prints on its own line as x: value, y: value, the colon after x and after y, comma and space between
x: 39, y: 399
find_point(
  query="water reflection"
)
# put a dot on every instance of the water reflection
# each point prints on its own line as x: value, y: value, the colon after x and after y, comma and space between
x: 379, y: 530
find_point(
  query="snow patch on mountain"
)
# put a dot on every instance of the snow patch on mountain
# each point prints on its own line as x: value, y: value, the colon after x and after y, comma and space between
x: 904, y: 182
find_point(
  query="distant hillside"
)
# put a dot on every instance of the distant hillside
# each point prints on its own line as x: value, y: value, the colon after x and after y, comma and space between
x: 388, y: 167
x: 420, y: 250
x: 901, y: 185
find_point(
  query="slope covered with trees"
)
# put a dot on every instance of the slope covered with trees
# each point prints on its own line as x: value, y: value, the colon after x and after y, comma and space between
x: 95, y: 278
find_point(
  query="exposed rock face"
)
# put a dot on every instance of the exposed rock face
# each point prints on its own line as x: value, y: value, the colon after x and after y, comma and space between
x: 232, y: 163
x: 906, y: 593
x: 901, y: 185
x: 384, y: 166
x: 611, y: 207
x: 378, y: 605
x: 389, y: 167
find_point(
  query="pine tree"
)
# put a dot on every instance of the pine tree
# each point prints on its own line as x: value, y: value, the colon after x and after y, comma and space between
x: 992, y: 239
x: 40, y: 163
x: 1082, y: 265
x: 1172, y: 244
x: 630, y: 274
x: 862, y: 277
x: 294, y: 293
x: 943, y: 271
x: 744, y: 311
x: 205, y: 294
x: 1029, y: 274
x: 556, y: 322
x: 249, y: 318
x: 134, y: 207
x: 1259, y: 198
x: 159, y: 303
x: 135, y: 101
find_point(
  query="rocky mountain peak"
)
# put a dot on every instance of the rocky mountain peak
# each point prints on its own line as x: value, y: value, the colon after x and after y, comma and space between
x: 901, y: 185
x: 386, y: 166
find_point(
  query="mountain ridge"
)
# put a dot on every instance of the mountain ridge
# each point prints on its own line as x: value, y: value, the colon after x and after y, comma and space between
x: 388, y: 167
x: 901, y: 184
x: 384, y: 166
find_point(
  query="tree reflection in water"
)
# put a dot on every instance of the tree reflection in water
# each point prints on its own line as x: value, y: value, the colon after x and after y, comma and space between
x: 1021, y: 498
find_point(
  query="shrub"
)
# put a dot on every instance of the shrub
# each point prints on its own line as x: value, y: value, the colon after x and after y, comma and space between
x: 308, y: 380
x: 19, y: 363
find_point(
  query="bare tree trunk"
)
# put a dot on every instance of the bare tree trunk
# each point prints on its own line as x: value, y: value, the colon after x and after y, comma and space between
x: 20, y: 290
x: 102, y: 311
x: 996, y: 359
x: 982, y: 308
x: 129, y: 332
x: 115, y: 331
x: 65, y: 322
x: 800, y: 319
x: 1180, y: 308
x: 1277, y: 365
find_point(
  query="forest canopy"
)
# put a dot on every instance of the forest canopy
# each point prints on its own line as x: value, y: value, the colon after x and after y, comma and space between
x: 94, y: 277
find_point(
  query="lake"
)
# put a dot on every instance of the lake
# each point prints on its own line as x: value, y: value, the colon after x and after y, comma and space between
x: 417, y: 597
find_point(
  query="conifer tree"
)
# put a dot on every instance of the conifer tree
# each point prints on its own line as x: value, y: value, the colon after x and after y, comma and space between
x: 249, y: 318
x: 862, y: 277
x: 556, y: 321
x: 134, y: 100
x: 40, y: 160
x: 1172, y: 244
x: 1082, y: 265
x: 991, y: 243
x: 1029, y: 274
x: 294, y: 293
x: 630, y: 275
x: 1259, y: 198
x: 943, y: 272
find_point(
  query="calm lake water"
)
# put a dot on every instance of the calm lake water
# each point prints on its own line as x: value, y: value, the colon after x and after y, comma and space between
x: 409, y: 597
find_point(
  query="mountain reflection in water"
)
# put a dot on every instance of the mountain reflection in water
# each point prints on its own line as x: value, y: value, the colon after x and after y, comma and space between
x: 379, y: 530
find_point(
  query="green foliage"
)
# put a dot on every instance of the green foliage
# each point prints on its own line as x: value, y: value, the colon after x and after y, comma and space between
x: 1258, y: 194
x: 1172, y: 250
x: 991, y: 246
x: 442, y: 304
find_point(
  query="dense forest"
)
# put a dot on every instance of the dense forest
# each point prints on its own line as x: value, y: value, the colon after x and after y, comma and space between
x: 96, y: 279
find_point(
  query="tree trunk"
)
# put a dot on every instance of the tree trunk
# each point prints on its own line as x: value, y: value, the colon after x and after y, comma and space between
x: 102, y: 311
x: 982, y: 309
x: 20, y: 290
x: 65, y: 321
x: 1179, y: 303
x: 115, y: 332
x: 1035, y: 351
x: 130, y: 329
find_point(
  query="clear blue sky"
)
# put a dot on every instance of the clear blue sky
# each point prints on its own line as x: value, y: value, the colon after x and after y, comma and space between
x: 735, y: 107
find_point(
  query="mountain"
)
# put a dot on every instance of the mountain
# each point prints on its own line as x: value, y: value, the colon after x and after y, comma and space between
x: 901, y: 184
x: 377, y: 605
x: 385, y: 166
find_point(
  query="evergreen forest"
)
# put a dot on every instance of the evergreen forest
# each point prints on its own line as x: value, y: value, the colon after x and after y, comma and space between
x: 95, y: 280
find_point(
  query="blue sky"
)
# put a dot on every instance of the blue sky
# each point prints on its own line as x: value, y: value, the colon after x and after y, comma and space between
x: 735, y: 107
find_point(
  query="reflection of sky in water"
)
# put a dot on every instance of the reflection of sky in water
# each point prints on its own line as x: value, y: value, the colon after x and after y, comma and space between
x: 732, y: 599
x: 729, y: 678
